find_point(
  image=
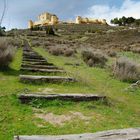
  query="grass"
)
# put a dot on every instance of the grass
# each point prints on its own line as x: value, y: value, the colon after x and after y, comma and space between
x: 131, y: 55
x: 18, y: 119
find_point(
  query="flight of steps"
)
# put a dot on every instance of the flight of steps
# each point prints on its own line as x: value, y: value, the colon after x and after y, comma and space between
x: 34, y: 63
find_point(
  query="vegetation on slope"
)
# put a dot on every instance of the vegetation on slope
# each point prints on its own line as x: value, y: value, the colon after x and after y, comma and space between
x: 122, y: 110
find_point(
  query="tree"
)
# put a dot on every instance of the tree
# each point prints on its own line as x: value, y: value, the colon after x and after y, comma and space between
x: 2, y: 31
x: 123, y: 21
x: 130, y: 20
x: 137, y: 22
x: 3, y: 13
x: 120, y: 22
x: 117, y: 21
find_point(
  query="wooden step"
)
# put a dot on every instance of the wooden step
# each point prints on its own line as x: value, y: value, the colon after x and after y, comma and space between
x: 47, y: 79
x: 40, y: 66
x: 121, y: 134
x: 42, y: 70
x: 26, y: 98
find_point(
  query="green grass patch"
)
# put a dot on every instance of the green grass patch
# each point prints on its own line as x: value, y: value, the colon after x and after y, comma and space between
x: 122, y: 111
x: 131, y: 55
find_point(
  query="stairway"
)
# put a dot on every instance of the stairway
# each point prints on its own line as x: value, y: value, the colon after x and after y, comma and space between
x: 35, y: 63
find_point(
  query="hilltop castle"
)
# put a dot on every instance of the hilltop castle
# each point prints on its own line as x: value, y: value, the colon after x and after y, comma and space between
x: 80, y: 20
x: 43, y: 20
x: 46, y: 18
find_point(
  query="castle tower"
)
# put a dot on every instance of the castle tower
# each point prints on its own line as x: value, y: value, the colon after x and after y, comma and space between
x: 78, y: 20
x: 54, y: 19
x: 104, y: 22
x: 30, y: 24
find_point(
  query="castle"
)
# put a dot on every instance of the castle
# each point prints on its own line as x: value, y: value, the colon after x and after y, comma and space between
x: 46, y: 18
x: 80, y: 20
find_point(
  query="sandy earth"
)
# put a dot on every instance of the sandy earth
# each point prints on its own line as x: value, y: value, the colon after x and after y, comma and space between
x: 62, y: 119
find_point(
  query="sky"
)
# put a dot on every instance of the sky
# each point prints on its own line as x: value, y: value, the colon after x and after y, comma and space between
x: 20, y: 11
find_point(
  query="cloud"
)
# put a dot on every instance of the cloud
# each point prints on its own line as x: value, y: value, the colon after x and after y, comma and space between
x: 128, y: 8
x: 19, y: 12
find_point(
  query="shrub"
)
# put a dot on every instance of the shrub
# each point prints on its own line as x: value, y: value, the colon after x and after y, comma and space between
x: 14, y: 42
x: 56, y: 51
x: 69, y: 52
x: 135, y: 50
x: 126, y: 70
x: 111, y: 53
x: 6, y: 53
x: 50, y: 30
x: 61, y: 51
x: 36, y: 43
x: 94, y: 58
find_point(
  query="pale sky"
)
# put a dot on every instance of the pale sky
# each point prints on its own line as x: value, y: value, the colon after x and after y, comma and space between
x: 20, y: 11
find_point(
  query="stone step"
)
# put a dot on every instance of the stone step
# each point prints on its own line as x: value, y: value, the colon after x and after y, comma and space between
x: 26, y: 98
x: 30, y: 53
x: 35, y: 60
x: 40, y: 66
x: 38, y: 63
x: 42, y: 70
x: 32, y: 57
x: 47, y: 79
x: 121, y: 134
x: 27, y: 49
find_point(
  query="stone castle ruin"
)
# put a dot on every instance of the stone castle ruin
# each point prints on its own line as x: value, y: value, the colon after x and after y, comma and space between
x: 80, y: 20
x: 46, y: 18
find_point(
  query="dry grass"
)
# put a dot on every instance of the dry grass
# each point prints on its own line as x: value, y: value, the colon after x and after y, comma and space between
x: 94, y: 58
x: 16, y: 42
x: 6, y: 53
x: 56, y: 51
x: 65, y: 51
x: 111, y: 53
x: 126, y: 70
x: 69, y: 52
x: 136, y: 50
